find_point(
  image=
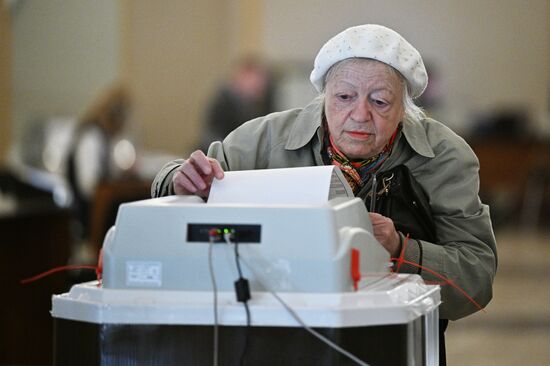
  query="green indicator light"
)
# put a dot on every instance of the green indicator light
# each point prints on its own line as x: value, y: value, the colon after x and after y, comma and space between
x: 226, y: 231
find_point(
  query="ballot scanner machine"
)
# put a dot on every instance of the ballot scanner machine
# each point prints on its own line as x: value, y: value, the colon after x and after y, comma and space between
x: 168, y: 286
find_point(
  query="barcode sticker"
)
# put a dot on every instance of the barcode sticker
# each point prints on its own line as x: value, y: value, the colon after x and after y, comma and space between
x: 147, y: 274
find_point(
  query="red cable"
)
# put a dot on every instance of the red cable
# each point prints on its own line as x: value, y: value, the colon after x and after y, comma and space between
x: 55, y: 270
x: 401, y: 259
x: 402, y: 254
x: 445, y: 280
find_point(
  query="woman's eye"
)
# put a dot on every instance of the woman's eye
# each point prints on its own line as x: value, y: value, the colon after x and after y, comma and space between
x: 344, y: 97
x: 379, y: 102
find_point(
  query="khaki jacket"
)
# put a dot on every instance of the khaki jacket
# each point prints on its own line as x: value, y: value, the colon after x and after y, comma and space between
x: 442, y: 163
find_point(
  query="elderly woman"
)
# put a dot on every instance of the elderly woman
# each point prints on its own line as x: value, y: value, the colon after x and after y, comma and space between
x: 365, y: 122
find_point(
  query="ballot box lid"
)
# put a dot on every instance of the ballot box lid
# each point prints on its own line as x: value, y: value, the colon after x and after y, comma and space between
x: 394, y: 299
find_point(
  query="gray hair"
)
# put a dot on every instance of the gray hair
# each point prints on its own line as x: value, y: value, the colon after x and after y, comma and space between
x: 412, y: 111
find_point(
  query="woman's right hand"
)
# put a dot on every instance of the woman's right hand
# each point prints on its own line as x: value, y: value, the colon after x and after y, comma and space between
x: 196, y: 174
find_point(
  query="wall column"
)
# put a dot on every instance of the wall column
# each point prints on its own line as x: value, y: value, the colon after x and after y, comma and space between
x: 5, y: 82
x: 246, y: 28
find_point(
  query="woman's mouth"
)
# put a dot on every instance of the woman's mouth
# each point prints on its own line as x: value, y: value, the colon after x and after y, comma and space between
x: 359, y: 134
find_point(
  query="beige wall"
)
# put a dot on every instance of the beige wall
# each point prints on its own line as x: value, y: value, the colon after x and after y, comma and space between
x: 5, y: 82
x: 176, y: 54
x: 64, y: 54
x: 244, y: 22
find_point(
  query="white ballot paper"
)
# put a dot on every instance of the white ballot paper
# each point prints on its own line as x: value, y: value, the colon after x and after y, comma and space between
x: 309, y: 185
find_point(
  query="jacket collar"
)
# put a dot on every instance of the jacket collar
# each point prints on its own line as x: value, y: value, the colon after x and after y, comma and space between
x: 306, y: 125
x: 416, y: 136
x: 309, y: 120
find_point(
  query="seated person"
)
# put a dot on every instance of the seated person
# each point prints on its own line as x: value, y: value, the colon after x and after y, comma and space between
x: 91, y: 159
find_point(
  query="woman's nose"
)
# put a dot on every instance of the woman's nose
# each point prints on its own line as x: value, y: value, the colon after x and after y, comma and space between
x: 362, y: 111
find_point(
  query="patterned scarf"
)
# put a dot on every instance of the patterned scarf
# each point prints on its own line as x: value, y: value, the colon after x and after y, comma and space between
x: 357, y: 173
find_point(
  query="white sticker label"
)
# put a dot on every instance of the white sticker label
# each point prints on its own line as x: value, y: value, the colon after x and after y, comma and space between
x: 144, y: 274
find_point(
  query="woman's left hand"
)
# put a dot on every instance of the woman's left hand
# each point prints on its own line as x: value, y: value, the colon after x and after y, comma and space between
x: 384, y: 231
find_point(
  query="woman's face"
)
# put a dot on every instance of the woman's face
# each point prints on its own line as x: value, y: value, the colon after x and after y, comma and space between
x: 363, y: 106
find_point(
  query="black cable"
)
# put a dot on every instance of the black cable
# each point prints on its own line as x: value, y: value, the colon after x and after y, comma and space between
x: 215, y: 352
x: 242, y: 291
x: 246, y: 334
x: 236, y: 247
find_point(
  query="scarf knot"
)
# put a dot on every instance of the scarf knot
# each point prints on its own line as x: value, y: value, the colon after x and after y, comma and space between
x: 357, y: 173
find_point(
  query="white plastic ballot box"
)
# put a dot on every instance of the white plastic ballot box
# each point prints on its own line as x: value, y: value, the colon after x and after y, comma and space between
x: 309, y: 265
x: 391, y: 322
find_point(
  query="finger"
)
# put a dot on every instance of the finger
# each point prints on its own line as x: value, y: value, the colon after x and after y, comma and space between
x: 201, y: 163
x: 376, y: 219
x: 182, y: 185
x: 216, y: 169
x: 189, y: 171
x: 374, y: 216
x: 377, y: 216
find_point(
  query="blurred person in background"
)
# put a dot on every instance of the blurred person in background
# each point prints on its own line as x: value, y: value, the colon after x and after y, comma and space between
x: 365, y: 122
x: 247, y: 94
x: 432, y: 98
x: 94, y: 159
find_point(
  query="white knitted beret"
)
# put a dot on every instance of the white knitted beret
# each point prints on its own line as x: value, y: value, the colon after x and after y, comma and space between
x: 375, y: 42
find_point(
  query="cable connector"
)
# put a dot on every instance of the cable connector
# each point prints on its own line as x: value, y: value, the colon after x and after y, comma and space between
x: 242, y: 290
x: 229, y: 235
x: 215, y: 235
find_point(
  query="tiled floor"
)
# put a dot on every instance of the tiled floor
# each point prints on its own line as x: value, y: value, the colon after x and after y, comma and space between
x: 515, y: 328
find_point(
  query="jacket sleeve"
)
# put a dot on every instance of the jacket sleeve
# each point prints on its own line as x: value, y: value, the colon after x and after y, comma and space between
x: 162, y: 184
x: 465, y: 252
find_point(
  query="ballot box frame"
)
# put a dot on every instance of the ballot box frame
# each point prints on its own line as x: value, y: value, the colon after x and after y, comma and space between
x: 90, y: 333
x: 146, y: 344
